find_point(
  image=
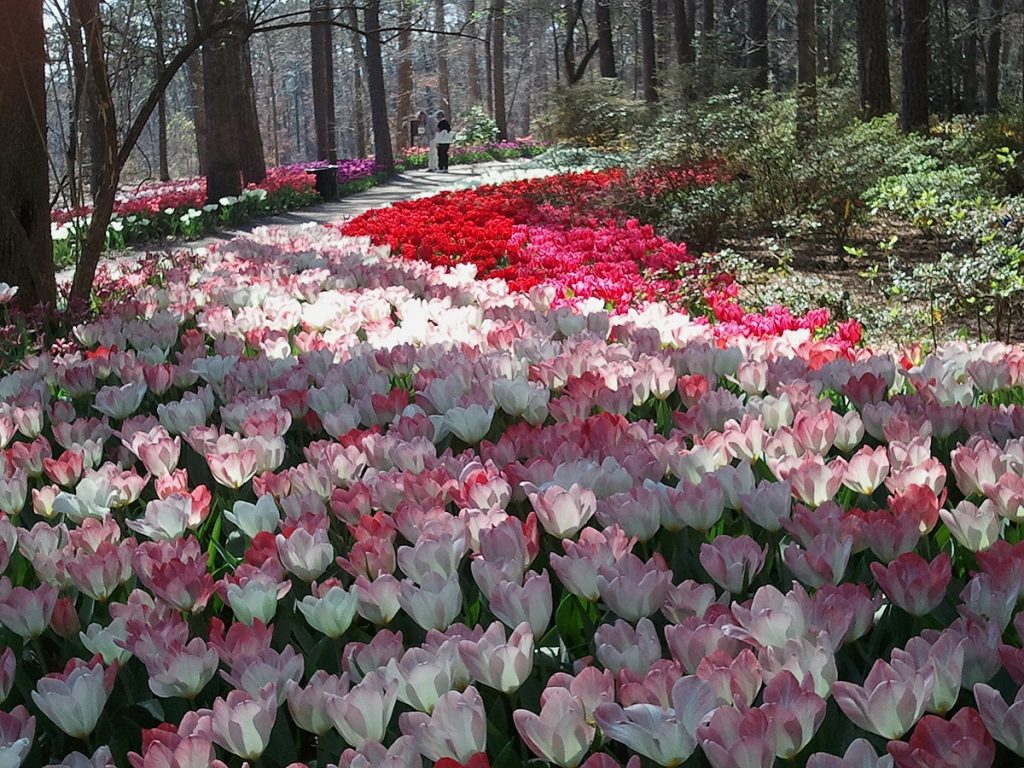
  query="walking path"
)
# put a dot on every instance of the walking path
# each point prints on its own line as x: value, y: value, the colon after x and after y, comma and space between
x: 404, y: 186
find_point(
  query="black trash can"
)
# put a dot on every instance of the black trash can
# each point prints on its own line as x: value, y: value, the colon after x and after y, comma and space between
x: 326, y: 181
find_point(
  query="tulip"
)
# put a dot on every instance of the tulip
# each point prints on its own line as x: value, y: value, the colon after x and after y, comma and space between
x: 183, y: 671
x: 422, y: 676
x: 1005, y: 722
x: 560, y: 734
x: 563, y: 512
x: 74, y: 699
x: 794, y: 711
x: 860, y: 754
x: 17, y: 729
x: 914, y: 584
x: 733, y: 562
x: 241, y: 724
x: 530, y: 602
x: 363, y: 713
x: 495, y: 662
x: 734, y: 739
x: 26, y: 612
x: 961, y: 742
x: 666, y: 736
x: 434, y: 604
x: 632, y: 588
x: 619, y: 646
x: 891, y: 700
x: 457, y: 727
x: 330, y: 609
x: 308, y: 706
x: 377, y: 600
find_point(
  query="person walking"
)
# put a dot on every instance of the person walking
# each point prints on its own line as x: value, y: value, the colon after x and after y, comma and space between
x: 443, y: 140
x: 431, y: 136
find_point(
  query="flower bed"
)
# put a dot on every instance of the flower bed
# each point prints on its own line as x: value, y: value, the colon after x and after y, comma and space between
x: 305, y: 504
x: 179, y: 209
x: 571, y: 234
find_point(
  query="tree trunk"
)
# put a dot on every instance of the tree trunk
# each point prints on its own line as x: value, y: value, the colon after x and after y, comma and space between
x: 158, y: 37
x: 88, y: 15
x: 26, y: 251
x: 489, y: 60
x: 662, y: 39
x: 648, y: 52
x: 405, y: 82
x: 476, y: 92
x: 498, y: 64
x: 78, y: 148
x: 807, y: 94
x: 107, y: 153
x: 835, y: 37
x: 359, y: 107
x: 605, y: 44
x: 383, y: 152
x: 683, y: 33
x: 321, y: 41
x: 757, y: 55
x: 914, y: 114
x: 443, y: 76
x: 708, y: 46
x: 970, y: 85
x: 254, y: 160
x: 222, y: 82
x: 993, y: 42
x: 873, y: 58
x: 197, y: 98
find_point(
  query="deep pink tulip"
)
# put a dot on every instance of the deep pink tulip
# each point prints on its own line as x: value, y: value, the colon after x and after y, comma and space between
x: 914, y: 584
x: 961, y: 742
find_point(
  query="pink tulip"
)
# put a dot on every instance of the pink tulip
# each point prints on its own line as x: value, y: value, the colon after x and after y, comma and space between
x: 961, y: 742
x: 560, y: 734
x: 434, y: 604
x: 807, y: 660
x: 772, y: 618
x: 823, y: 562
x: 308, y: 706
x: 495, y: 662
x: 666, y: 736
x: 891, y: 700
x: 591, y: 686
x: 734, y: 739
x: 654, y: 687
x: 694, y: 638
x: 457, y: 727
x: 378, y: 600
x: 74, y: 699
x: 175, y: 572
x: 620, y: 646
x: 690, y: 598
x: 860, y: 754
x: 794, y: 711
x: 363, y: 713
x: 183, y: 670
x: 241, y: 724
x: 26, y: 612
x: 846, y: 612
x: 305, y: 554
x: 17, y: 729
x: 530, y: 602
x: 403, y: 752
x: 1005, y: 722
x: 735, y: 681
x: 359, y: 659
x: 914, y: 584
x: 563, y: 512
x: 974, y: 527
x: 632, y: 588
x: 769, y: 504
x: 423, y: 676
x: 733, y: 562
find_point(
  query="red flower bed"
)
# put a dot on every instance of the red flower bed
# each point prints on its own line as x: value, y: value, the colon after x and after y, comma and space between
x: 514, y: 232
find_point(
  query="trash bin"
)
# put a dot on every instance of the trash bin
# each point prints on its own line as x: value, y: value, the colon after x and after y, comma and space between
x: 326, y: 181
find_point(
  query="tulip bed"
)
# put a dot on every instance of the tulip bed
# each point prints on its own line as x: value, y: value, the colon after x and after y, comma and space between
x: 307, y: 504
x: 156, y: 210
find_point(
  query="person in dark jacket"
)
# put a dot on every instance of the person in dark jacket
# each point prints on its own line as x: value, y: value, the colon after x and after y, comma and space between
x: 443, y: 140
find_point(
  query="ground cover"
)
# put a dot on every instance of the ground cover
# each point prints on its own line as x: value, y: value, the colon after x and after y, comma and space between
x: 304, y: 502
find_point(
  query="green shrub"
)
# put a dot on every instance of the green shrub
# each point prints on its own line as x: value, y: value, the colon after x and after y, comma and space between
x: 594, y: 114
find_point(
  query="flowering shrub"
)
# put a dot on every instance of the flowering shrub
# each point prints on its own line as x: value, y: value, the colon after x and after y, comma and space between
x: 303, y: 504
